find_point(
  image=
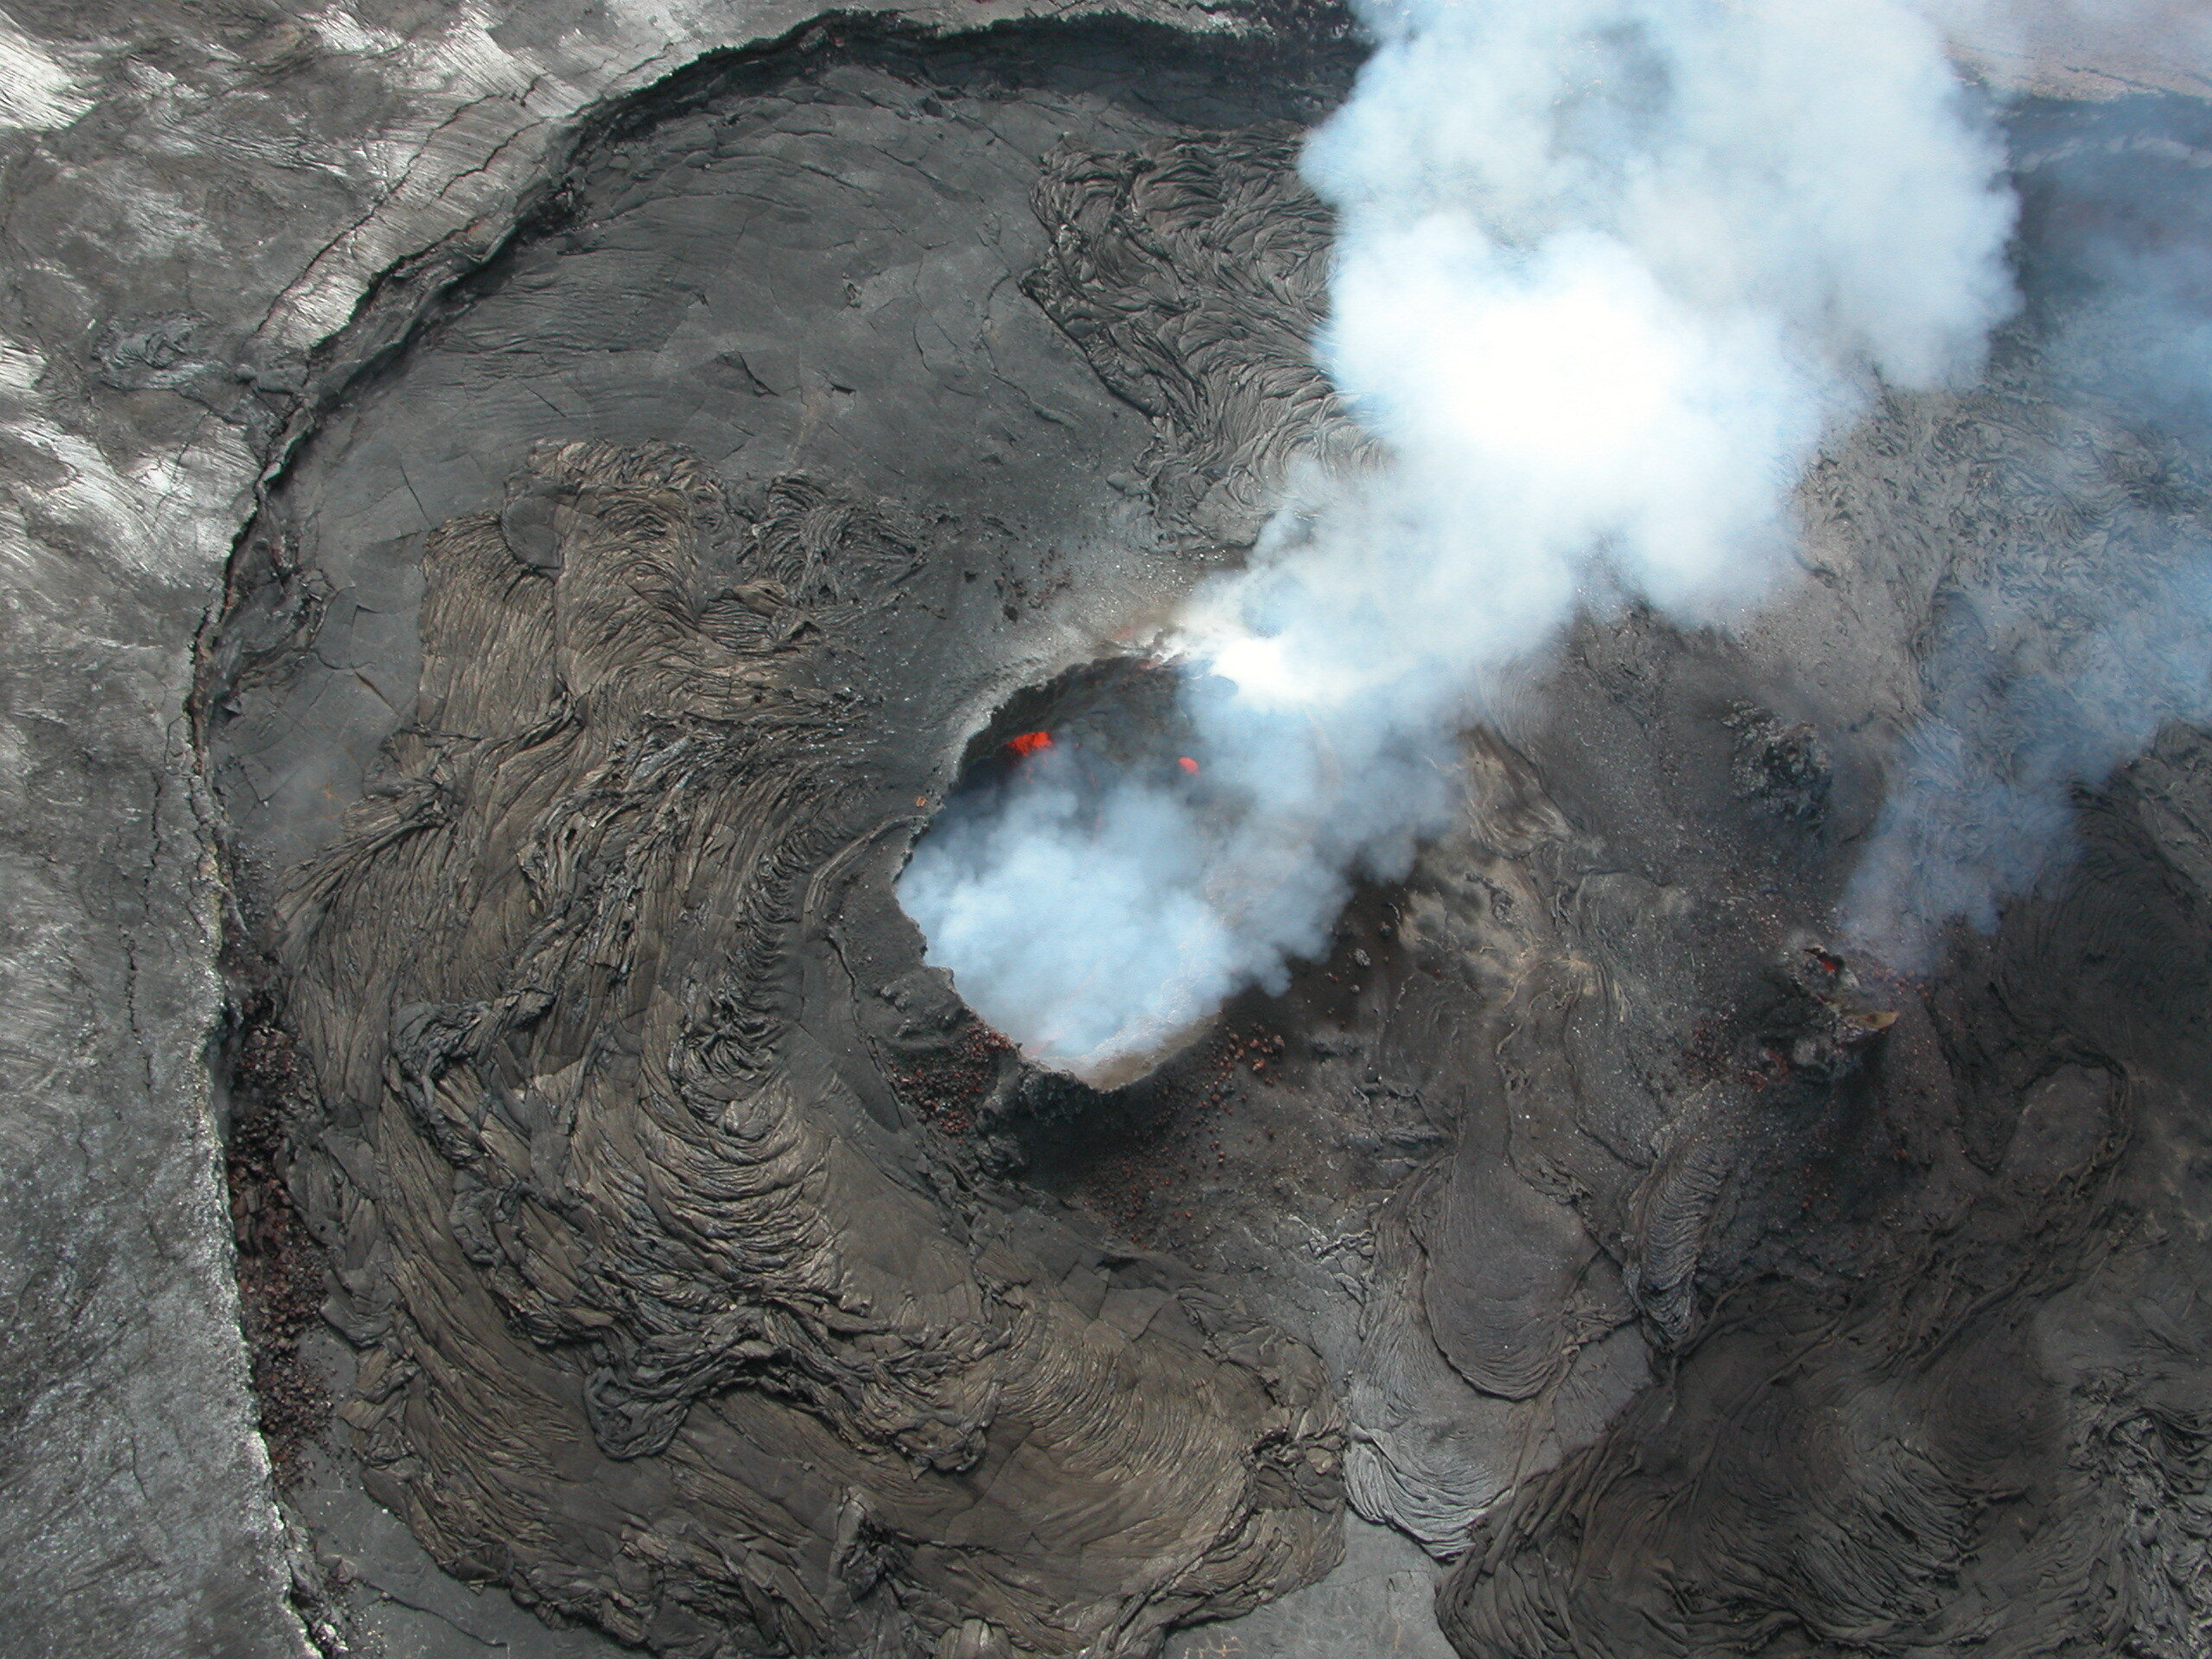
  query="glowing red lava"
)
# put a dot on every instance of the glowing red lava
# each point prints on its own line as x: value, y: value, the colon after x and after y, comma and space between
x: 1187, y: 764
x: 1028, y: 743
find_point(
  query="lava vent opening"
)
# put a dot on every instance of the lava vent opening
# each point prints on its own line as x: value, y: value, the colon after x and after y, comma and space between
x: 1069, y: 884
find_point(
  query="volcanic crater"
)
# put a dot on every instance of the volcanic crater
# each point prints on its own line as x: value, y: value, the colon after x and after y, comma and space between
x: 1587, y: 1216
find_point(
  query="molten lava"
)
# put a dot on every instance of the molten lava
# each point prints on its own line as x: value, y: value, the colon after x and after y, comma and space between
x: 1025, y: 744
x: 1187, y: 764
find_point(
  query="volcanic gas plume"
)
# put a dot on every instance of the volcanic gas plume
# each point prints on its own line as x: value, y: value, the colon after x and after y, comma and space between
x: 1607, y: 274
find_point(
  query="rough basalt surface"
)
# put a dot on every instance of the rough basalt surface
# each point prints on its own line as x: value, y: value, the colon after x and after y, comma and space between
x: 668, y: 1331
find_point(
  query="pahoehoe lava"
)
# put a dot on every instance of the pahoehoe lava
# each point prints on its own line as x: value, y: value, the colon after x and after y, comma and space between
x: 1589, y: 1214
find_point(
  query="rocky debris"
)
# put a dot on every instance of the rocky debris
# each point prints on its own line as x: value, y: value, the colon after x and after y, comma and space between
x: 952, y: 1081
x: 281, y: 1268
x: 1783, y: 766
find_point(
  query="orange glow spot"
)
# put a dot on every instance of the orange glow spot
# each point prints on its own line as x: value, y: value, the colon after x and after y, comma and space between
x: 1187, y: 764
x: 1028, y: 743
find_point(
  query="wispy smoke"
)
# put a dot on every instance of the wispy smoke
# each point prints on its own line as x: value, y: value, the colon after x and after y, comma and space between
x: 2056, y: 660
x: 1608, y: 272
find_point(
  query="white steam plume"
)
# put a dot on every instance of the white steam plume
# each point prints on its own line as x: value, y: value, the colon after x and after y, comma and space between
x: 1608, y: 271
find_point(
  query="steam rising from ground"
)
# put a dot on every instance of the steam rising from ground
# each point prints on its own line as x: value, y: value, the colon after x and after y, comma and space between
x: 2048, y: 668
x: 1608, y: 272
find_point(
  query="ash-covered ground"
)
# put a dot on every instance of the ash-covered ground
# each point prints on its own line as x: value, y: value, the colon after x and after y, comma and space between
x: 1620, y: 1256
